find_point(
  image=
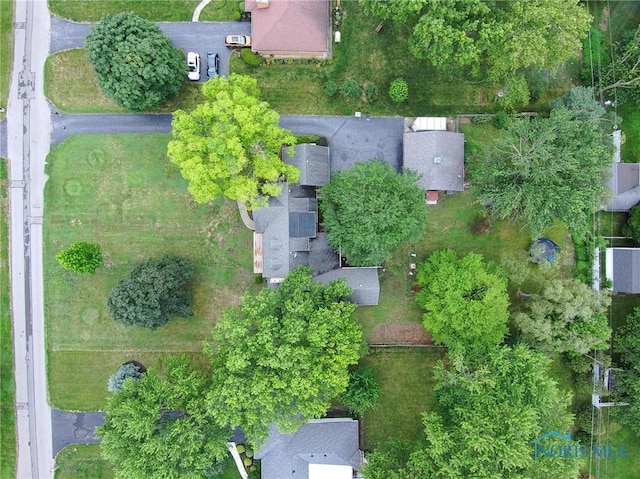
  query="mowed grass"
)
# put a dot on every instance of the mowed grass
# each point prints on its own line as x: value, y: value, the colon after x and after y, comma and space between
x: 7, y: 386
x: 376, y: 59
x: 406, y: 377
x: 121, y: 192
x: 154, y: 10
x: 71, y: 85
x: 6, y: 51
x: 630, y: 113
x: 82, y: 461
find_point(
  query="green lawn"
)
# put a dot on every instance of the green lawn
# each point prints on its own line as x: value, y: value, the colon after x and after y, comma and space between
x: 7, y: 388
x: 71, y: 85
x: 121, y: 192
x: 6, y: 51
x: 83, y: 461
x: 155, y: 10
x: 406, y: 377
x: 630, y: 113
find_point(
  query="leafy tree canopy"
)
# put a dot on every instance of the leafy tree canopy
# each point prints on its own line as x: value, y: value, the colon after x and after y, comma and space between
x: 81, y: 257
x: 547, y: 169
x: 490, y: 408
x: 491, y: 39
x: 632, y: 227
x: 135, y: 63
x: 154, y: 292
x: 627, y: 344
x: 370, y: 209
x: 623, y: 73
x: 158, y: 427
x: 230, y: 145
x: 565, y: 316
x: 283, y: 355
x: 363, y: 390
x: 465, y: 300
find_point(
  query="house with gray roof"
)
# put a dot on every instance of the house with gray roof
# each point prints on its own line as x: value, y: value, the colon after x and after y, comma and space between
x: 286, y: 231
x: 438, y: 157
x: 623, y: 269
x: 624, y: 186
x: 320, y: 449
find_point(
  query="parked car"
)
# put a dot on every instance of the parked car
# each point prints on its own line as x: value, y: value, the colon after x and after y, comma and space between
x: 193, y: 62
x: 237, y: 41
x: 213, y: 64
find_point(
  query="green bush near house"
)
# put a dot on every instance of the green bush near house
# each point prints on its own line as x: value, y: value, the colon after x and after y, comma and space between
x: 350, y: 88
x: 399, y: 90
x: 250, y: 58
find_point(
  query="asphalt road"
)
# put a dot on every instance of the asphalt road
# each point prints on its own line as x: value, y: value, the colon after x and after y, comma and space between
x: 27, y: 137
x: 74, y: 427
x: 201, y: 37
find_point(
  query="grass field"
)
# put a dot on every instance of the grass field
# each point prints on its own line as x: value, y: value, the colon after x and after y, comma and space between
x: 7, y: 387
x: 630, y: 113
x: 83, y: 461
x: 6, y: 51
x: 122, y: 193
x: 71, y: 85
x: 406, y: 377
x: 154, y: 10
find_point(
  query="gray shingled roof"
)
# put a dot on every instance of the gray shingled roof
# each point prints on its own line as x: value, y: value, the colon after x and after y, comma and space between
x: 319, y: 441
x: 363, y: 281
x: 313, y: 163
x: 625, y: 186
x: 438, y: 156
x: 626, y: 269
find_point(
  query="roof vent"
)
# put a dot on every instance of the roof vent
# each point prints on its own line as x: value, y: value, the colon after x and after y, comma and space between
x: 262, y: 3
x: 437, y: 160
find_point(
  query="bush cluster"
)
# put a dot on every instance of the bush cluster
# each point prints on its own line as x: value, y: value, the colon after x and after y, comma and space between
x: 330, y: 88
x: 399, y: 90
x: 371, y: 93
x: 81, y: 257
x: 350, y: 88
x: 632, y: 228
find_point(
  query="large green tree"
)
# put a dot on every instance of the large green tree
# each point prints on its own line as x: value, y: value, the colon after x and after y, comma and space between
x: 490, y: 409
x: 465, y: 300
x: 631, y: 229
x: 283, y: 355
x: 623, y: 73
x: 153, y: 292
x: 489, y: 38
x: 546, y: 169
x: 370, y: 209
x: 627, y: 344
x: 135, y: 63
x: 565, y: 316
x: 230, y: 145
x: 157, y: 427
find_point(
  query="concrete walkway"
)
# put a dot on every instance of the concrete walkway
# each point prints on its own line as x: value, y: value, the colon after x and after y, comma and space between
x: 246, y: 219
x: 198, y: 10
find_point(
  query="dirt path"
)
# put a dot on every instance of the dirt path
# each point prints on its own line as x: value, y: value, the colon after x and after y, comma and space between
x: 400, y: 333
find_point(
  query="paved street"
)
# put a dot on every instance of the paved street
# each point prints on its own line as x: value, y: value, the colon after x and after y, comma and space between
x: 28, y: 128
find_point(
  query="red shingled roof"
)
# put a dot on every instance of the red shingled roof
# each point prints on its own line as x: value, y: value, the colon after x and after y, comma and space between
x: 290, y: 26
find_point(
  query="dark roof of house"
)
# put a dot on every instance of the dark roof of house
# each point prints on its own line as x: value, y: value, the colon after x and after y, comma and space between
x: 363, y: 281
x: 438, y: 156
x: 313, y: 163
x: 625, y: 186
x: 319, y: 441
x: 626, y: 269
x: 290, y: 26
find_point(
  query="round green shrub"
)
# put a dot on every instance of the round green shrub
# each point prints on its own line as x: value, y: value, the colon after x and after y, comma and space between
x: 371, y: 92
x: 330, y: 88
x: 399, y: 90
x: 350, y: 88
x: 250, y: 58
x: 249, y: 453
x: 247, y: 461
x: 500, y: 120
x: 81, y: 257
x: 240, y: 448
